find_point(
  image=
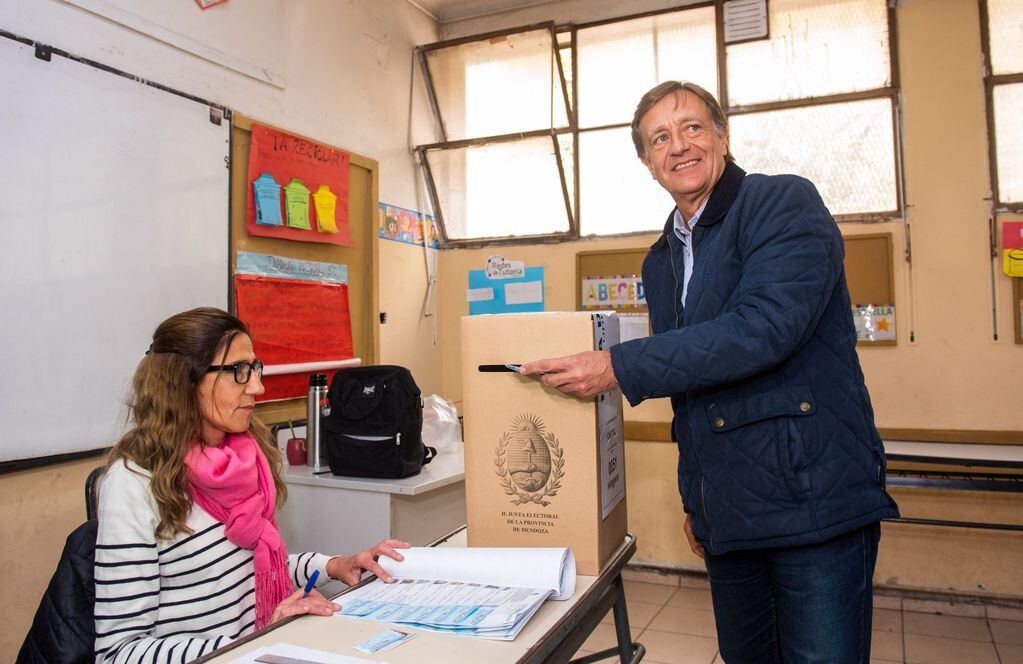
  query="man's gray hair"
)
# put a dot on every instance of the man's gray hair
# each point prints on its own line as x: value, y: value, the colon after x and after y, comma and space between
x: 662, y: 90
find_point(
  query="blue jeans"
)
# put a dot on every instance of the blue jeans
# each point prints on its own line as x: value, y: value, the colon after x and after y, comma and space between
x: 808, y: 603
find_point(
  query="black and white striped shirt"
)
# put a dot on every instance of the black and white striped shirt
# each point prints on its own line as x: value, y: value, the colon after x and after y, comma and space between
x: 170, y: 600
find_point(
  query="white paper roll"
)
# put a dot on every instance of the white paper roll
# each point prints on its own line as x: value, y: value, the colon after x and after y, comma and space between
x: 543, y: 568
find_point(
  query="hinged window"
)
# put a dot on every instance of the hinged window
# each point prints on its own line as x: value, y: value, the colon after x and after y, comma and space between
x: 499, y: 102
x: 534, y: 124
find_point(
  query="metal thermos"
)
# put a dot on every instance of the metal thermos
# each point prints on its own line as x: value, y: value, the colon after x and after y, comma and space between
x: 317, y: 452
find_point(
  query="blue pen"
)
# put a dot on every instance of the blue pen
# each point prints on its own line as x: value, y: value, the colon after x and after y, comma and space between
x: 310, y: 583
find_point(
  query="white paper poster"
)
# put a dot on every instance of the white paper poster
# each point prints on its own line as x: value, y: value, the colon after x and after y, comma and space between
x: 525, y: 292
x: 479, y: 294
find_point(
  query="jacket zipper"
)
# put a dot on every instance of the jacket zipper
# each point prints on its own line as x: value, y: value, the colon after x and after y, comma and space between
x: 677, y: 303
x: 398, y: 439
x: 706, y: 518
x: 674, y: 273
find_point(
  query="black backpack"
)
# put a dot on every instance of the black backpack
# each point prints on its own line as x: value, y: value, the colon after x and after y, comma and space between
x: 375, y: 424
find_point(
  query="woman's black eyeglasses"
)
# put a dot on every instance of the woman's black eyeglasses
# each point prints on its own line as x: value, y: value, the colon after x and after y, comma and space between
x: 242, y: 370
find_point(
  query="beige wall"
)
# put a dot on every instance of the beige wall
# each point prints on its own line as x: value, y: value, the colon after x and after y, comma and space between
x: 954, y: 375
x: 409, y: 338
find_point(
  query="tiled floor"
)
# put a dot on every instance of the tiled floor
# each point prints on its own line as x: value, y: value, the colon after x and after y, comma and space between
x: 676, y: 624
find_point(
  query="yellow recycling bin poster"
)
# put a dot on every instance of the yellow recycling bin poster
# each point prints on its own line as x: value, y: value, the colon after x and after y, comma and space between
x: 325, y: 202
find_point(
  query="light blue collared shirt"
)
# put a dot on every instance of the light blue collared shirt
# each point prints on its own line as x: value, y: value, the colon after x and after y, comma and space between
x: 685, y: 235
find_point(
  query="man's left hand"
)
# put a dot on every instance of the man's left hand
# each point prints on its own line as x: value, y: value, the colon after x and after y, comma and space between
x: 350, y: 568
x: 583, y: 375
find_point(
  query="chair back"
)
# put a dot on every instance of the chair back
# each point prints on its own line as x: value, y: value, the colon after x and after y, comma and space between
x: 63, y: 629
x: 92, y: 493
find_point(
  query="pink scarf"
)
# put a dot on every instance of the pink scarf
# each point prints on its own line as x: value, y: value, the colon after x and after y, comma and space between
x: 233, y: 483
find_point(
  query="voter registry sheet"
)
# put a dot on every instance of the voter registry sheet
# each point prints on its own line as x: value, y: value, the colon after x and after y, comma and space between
x: 485, y: 592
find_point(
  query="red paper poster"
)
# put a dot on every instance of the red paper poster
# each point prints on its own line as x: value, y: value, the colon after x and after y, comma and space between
x: 286, y: 158
x: 1012, y: 235
x: 294, y: 321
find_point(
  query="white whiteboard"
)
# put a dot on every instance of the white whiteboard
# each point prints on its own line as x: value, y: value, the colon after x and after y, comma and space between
x: 113, y: 216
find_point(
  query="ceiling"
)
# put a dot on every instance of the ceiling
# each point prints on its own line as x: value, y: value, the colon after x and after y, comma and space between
x: 455, y: 10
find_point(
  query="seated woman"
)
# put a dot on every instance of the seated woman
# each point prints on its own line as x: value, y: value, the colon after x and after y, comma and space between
x: 189, y: 555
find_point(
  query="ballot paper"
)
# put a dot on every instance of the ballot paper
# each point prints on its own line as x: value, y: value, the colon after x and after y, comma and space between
x: 486, y: 592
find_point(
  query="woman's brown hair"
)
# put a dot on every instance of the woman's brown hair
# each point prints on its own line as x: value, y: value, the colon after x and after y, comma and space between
x: 163, y: 409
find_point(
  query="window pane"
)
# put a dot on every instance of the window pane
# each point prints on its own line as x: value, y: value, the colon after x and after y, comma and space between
x: 816, y: 48
x: 847, y: 150
x: 620, y: 61
x: 500, y: 189
x: 565, y: 53
x: 616, y: 192
x: 498, y: 86
x: 1008, y: 102
x: 566, y: 143
x: 1005, y: 21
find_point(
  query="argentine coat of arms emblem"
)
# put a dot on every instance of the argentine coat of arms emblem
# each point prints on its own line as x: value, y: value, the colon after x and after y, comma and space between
x: 529, y: 461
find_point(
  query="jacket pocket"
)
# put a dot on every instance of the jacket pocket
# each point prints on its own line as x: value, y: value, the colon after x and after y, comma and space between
x: 769, y: 418
x: 880, y: 477
x: 786, y: 401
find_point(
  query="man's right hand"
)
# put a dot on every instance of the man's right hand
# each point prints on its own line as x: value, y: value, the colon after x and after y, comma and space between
x: 583, y: 375
x: 693, y: 544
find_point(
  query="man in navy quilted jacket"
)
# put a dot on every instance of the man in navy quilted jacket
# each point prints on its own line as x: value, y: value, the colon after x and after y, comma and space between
x: 781, y: 469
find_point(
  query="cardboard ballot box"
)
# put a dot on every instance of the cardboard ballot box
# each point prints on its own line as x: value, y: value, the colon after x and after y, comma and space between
x: 541, y: 468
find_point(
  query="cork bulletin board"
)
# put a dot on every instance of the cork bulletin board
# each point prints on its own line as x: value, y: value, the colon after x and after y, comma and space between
x: 361, y: 258
x: 869, y: 269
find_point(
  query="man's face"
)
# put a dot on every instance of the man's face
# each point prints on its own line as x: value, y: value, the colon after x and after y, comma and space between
x: 684, y: 152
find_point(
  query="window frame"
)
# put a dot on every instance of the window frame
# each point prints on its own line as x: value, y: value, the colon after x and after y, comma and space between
x: 445, y: 144
x: 991, y: 81
x: 892, y: 92
x: 447, y: 242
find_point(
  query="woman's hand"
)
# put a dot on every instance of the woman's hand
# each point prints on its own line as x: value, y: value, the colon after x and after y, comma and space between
x: 296, y: 605
x: 693, y: 543
x: 350, y: 568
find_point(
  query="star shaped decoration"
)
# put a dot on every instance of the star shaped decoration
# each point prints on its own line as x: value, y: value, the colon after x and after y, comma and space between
x: 882, y: 324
